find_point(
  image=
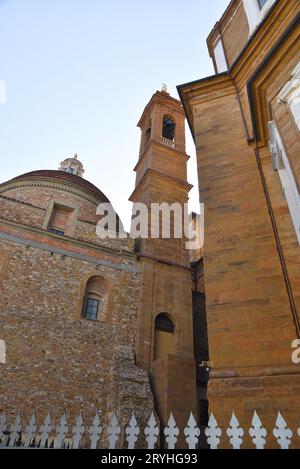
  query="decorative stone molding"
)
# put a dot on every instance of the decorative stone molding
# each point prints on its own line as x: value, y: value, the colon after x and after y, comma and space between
x: 55, y: 185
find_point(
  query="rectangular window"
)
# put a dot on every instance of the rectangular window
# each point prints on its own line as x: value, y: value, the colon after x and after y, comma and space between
x: 91, y: 309
x: 288, y: 183
x: 60, y: 219
x: 220, y: 58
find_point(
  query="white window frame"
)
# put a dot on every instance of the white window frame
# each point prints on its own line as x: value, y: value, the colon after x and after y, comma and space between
x: 220, y: 57
x: 290, y: 94
x: 255, y: 14
x: 282, y: 166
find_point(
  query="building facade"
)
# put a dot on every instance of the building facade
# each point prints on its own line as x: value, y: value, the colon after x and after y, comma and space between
x: 68, y: 302
x: 168, y: 308
x: 245, y: 124
x: 101, y: 323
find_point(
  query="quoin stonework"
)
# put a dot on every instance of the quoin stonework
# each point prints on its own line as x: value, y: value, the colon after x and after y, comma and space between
x: 147, y: 324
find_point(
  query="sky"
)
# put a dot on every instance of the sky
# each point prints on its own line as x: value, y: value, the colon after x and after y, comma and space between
x: 75, y: 76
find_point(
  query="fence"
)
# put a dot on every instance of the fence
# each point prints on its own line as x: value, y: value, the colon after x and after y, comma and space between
x: 48, y: 436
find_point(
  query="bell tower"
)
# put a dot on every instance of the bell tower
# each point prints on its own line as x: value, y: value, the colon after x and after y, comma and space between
x: 164, y: 343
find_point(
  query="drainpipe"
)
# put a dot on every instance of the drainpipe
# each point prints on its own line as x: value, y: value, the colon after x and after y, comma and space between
x: 278, y: 244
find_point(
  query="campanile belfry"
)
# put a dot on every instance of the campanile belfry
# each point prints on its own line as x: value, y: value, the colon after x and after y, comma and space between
x: 165, y: 320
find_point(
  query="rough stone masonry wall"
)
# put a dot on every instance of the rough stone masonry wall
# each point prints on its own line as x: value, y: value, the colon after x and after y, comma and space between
x: 56, y: 360
x: 28, y: 206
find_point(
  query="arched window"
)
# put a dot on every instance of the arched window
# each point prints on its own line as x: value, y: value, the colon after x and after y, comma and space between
x: 168, y: 130
x: 164, y: 340
x: 94, y: 298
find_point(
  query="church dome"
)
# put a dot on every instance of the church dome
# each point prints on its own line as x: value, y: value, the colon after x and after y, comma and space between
x: 64, y: 187
x: 67, y: 178
x: 64, y: 177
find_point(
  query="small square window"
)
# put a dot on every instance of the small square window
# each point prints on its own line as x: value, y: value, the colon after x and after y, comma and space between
x: 60, y: 219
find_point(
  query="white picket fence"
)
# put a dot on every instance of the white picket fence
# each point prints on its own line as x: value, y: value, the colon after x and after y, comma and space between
x: 49, y: 436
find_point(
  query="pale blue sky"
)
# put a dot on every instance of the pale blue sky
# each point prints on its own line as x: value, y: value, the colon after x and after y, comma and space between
x: 78, y: 74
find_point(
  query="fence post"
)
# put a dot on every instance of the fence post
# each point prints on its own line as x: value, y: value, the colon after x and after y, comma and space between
x: 151, y: 432
x: 213, y: 433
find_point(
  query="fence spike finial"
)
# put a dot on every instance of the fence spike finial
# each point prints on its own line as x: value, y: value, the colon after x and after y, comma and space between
x: 257, y: 432
x: 213, y: 433
x: 95, y: 431
x: 78, y: 431
x: 15, y: 431
x: 132, y: 432
x: 45, y: 431
x: 12, y: 435
x: 30, y: 431
x: 235, y: 433
x: 113, y: 431
x: 61, y: 431
x: 171, y: 432
x: 151, y: 432
x: 3, y: 427
x: 191, y: 432
x: 282, y: 433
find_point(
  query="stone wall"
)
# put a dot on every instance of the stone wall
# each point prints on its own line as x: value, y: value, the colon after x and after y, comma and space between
x: 56, y: 360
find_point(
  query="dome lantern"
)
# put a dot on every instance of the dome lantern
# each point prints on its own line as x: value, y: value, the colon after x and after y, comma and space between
x: 72, y: 165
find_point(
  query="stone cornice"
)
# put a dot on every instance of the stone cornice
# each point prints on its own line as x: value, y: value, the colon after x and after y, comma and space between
x: 277, y: 21
x: 273, y: 26
x: 66, y: 242
x: 203, y: 90
x: 161, y: 147
x: 147, y: 177
x: 12, y: 238
x: 254, y: 371
x: 51, y: 184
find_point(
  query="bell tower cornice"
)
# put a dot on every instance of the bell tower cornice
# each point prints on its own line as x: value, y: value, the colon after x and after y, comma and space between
x: 165, y: 99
